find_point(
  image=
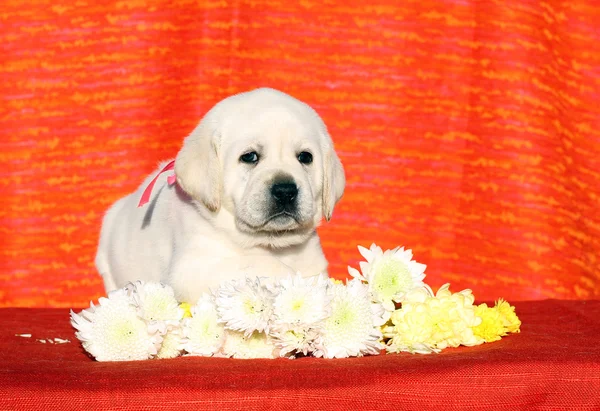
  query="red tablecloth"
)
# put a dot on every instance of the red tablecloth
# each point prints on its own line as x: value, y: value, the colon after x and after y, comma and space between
x: 553, y: 364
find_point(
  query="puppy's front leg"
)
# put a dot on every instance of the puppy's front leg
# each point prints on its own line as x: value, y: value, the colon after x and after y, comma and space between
x: 190, y: 277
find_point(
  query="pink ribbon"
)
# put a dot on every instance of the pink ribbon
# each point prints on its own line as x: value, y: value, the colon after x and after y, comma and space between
x: 148, y: 191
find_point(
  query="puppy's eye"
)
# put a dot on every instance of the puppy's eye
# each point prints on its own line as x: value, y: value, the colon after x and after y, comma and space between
x: 305, y: 157
x: 249, y: 158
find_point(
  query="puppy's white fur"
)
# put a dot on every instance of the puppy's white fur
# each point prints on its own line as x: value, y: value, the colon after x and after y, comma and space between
x: 215, y: 224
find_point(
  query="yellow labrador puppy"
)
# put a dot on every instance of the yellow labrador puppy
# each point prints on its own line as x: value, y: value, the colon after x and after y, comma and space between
x: 254, y: 179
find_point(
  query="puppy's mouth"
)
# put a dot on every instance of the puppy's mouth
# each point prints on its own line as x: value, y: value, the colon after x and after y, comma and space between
x: 280, y: 221
x: 282, y: 217
x: 277, y: 222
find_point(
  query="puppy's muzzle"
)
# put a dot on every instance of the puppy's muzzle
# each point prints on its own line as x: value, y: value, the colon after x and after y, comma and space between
x: 284, y: 194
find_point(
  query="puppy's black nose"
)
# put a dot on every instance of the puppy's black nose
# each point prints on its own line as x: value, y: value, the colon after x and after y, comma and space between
x: 284, y: 193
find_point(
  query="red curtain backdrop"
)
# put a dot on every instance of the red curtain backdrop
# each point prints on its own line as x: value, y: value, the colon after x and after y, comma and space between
x: 469, y: 130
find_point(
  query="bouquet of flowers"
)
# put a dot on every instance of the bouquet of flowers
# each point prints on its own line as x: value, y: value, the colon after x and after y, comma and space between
x: 385, y: 306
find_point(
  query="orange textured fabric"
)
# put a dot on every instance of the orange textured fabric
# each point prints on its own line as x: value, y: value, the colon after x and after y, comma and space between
x: 553, y: 364
x: 470, y: 130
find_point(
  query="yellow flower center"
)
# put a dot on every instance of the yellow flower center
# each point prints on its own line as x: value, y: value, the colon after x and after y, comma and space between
x: 391, y: 277
x: 157, y: 309
x: 252, y: 306
x: 343, y: 317
x: 297, y: 305
x: 122, y: 331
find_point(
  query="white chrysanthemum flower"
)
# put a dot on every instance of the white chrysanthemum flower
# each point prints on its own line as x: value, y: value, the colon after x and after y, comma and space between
x: 157, y: 305
x: 113, y: 330
x: 245, y: 305
x: 240, y: 345
x: 172, y: 344
x: 301, y: 301
x: 352, y: 329
x: 299, y: 340
x: 390, y: 274
x: 203, y: 334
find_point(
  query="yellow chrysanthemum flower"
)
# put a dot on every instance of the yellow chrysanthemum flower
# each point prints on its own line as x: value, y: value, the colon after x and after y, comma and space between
x: 187, y: 310
x: 511, y: 321
x: 492, y: 326
x: 413, y: 331
x: 429, y: 323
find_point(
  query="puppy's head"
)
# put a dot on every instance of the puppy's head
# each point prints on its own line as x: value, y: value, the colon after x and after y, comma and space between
x: 264, y: 161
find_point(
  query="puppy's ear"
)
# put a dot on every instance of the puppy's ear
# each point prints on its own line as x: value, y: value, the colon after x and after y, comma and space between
x: 334, y: 182
x: 198, y: 168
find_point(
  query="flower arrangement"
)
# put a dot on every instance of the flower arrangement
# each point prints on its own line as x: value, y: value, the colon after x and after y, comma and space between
x: 384, y: 306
